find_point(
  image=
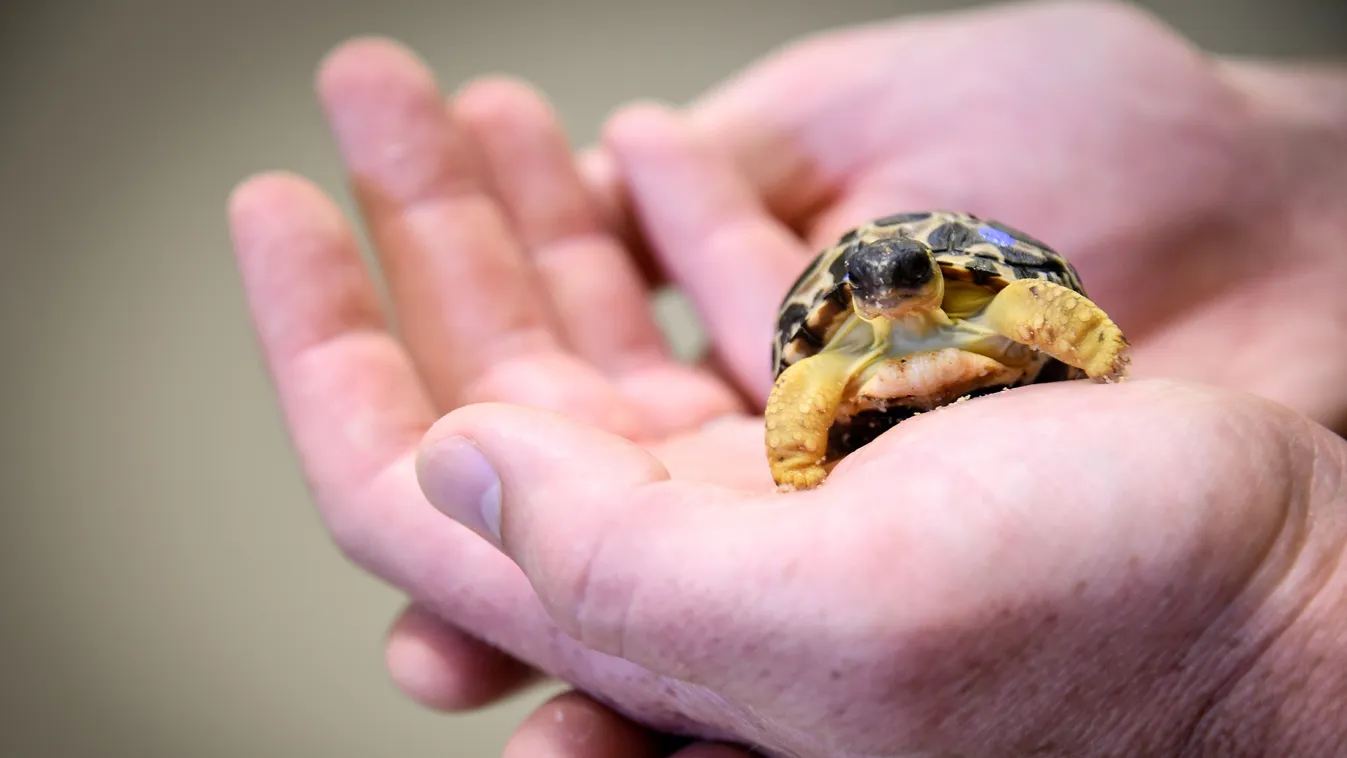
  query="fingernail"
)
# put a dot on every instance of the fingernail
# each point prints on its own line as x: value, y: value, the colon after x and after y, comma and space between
x: 459, y: 481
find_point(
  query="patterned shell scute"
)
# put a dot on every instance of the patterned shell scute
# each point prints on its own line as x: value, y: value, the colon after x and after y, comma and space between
x: 967, y: 248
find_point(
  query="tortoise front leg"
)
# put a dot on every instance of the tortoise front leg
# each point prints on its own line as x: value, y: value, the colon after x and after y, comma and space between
x: 1062, y: 323
x: 800, y: 410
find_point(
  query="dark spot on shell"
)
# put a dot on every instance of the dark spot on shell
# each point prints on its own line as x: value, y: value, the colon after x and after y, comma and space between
x: 838, y: 269
x: 980, y: 270
x: 1022, y: 257
x: 952, y: 236
x: 848, y: 237
x: 838, y: 296
x: 901, y: 218
x: 805, y: 274
x: 1028, y: 272
x: 823, y: 320
x: 791, y: 316
x: 807, y: 335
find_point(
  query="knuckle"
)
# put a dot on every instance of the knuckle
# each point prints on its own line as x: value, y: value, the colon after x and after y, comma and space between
x: 590, y: 599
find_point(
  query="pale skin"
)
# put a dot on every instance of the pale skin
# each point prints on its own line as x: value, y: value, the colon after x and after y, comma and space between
x: 359, y: 401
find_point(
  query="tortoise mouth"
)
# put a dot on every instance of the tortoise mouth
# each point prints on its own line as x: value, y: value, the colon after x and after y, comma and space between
x: 894, y: 304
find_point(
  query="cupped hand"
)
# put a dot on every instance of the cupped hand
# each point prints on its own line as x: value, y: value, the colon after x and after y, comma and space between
x: 1196, y: 216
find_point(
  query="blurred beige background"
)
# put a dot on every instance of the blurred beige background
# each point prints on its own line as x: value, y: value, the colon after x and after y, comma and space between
x: 168, y: 588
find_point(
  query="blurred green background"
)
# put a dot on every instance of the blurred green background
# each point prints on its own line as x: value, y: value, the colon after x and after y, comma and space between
x: 168, y: 589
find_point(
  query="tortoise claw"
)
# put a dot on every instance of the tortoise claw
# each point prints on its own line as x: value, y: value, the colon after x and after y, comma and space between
x: 797, y: 479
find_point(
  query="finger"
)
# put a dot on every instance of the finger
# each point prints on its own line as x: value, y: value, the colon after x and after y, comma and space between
x: 356, y: 410
x: 441, y: 667
x: 572, y: 725
x: 596, y: 290
x: 463, y: 290
x: 350, y: 394
x: 608, y: 192
x: 716, y: 239
x: 603, y: 182
x: 605, y: 536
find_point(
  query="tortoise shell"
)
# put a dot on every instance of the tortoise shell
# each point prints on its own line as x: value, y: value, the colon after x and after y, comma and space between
x: 968, y: 249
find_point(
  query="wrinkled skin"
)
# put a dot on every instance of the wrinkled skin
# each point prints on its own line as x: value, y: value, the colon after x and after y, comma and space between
x: 1161, y: 551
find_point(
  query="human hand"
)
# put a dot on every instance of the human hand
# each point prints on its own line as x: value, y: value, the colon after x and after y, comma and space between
x: 505, y: 598
x: 573, y: 725
x: 1156, y: 571
x: 1194, y: 195
x: 504, y: 288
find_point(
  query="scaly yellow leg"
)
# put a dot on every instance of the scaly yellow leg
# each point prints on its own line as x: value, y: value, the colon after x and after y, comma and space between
x: 1062, y: 323
x: 800, y: 411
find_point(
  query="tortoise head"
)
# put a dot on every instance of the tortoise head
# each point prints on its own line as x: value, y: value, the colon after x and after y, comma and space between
x: 894, y: 277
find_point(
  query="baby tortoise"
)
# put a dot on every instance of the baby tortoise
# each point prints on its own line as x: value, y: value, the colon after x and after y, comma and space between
x: 914, y: 311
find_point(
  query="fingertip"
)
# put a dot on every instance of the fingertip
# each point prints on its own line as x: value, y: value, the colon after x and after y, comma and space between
x: 368, y: 61
x: 501, y: 100
x: 710, y: 230
x: 529, y: 158
x: 642, y: 126
x: 664, y: 158
x: 264, y: 191
x: 598, y: 171
x: 579, y: 509
x: 386, y: 112
x: 535, y: 452
x: 272, y: 205
x: 299, y: 264
x: 572, y: 725
x: 444, y: 669
x: 453, y: 423
x: 534, y: 445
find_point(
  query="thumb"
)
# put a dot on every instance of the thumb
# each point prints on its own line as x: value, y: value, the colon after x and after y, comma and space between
x: 624, y: 559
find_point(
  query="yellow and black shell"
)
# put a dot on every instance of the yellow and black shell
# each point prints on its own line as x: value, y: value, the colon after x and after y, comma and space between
x: 968, y: 249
